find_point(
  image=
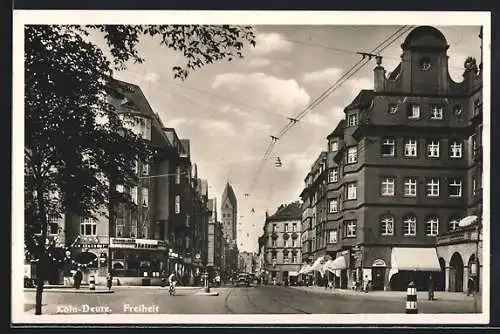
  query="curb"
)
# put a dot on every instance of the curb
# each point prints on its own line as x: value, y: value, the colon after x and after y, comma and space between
x: 207, y: 294
x: 338, y: 292
x: 71, y: 291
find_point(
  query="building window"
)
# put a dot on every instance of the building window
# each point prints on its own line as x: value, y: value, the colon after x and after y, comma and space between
x: 414, y: 111
x: 351, y: 191
x: 294, y: 243
x: 433, y: 187
x: 352, y: 119
x: 334, y: 146
x: 352, y: 155
x: 333, y: 206
x: 410, y: 187
x: 410, y: 226
x: 275, y: 227
x: 133, y: 227
x: 133, y: 194
x: 388, y: 147
x: 294, y: 227
x: 474, y: 186
x: 52, y: 226
x: 286, y: 227
x: 177, y: 175
x: 436, y: 112
x: 294, y: 258
x: 410, y: 147
x: 285, y: 243
x: 273, y: 243
x: 177, y: 203
x: 433, y: 148
x: 332, y: 237
x: 432, y: 226
x: 120, y: 227
x: 453, y: 223
x: 120, y: 188
x: 455, y: 149
x: 145, y: 169
x: 145, y: 199
x: 387, y: 225
x: 455, y: 187
x: 350, y: 229
x: 477, y: 106
x: 393, y: 108
x: 136, y: 166
x: 473, y: 140
x: 88, y: 226
x: 333, y: 175
x: 387, y: 186
x: 273, y: 256
x: 457, y: 109
x: 285, y: 257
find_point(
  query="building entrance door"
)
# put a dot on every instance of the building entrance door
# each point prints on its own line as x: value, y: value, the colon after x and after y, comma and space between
x: 456, y: 273
x: 378, y: 275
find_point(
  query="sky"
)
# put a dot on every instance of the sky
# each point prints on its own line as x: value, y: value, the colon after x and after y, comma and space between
x: 229, y: 110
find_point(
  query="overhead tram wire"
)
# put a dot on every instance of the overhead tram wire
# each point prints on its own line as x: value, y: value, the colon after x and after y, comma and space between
x: 400, y: 31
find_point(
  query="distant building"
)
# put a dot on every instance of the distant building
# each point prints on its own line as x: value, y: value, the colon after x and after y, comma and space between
x: 281, y: 244
x: 215, y: 240
x: 229, y: 213
x: 247, y: 262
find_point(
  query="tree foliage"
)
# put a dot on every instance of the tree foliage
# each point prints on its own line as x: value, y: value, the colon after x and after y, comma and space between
x: 74, y: 141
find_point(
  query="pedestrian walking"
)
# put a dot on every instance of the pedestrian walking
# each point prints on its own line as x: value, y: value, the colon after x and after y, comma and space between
x: 470, y: 286
x: 109, y: 280
x: 430, y: 287
x: 365, y: 283
x: 78, y: 279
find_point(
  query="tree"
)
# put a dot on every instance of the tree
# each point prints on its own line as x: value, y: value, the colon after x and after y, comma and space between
x: 76, y: 147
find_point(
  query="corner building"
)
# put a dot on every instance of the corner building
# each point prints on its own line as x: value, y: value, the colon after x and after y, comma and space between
x: 401, y: 168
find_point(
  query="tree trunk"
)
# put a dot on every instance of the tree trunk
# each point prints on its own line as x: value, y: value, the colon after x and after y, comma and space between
x: 40, y: 267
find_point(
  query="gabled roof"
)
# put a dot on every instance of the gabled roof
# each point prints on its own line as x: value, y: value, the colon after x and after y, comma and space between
x: 292, y: 211
x: 132, y: 96
x: 339, y: 130
x: 363, y: 100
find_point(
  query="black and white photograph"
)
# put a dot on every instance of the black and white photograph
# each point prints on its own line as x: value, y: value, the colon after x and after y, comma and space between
x: 251, y: 167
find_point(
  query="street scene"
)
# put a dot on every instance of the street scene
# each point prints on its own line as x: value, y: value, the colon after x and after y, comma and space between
x: 254, y: 169
x: 242, y: 300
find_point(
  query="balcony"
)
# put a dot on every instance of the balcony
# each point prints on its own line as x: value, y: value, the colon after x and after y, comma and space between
x: 456, y: 237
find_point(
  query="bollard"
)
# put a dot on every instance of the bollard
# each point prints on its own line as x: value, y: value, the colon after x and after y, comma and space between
x: 92, y: 282
x: 207, y: 286
x: 411, y: 299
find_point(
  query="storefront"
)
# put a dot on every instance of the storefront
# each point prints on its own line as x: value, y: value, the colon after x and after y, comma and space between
x: 134, y: 258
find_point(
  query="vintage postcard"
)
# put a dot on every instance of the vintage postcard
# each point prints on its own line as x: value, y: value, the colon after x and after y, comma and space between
x: 251, y: 167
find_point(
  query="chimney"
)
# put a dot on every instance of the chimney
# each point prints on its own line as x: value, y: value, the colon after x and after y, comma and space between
x: 379, y: 75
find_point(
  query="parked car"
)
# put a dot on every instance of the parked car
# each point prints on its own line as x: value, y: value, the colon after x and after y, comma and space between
x: 243, y: 280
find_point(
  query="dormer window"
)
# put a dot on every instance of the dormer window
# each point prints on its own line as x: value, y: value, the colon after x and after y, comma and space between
x: 393, y: 108
x: 414, y: 111
x: 425, y: 64
x: 352, y: 119
x: 436, y: 112
x: 334, y: 146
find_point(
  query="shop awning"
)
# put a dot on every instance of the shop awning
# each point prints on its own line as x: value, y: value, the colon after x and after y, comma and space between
x: 414, y: 259
x: 318, y: 264
x: 305, y: 269
x: 469, y: 220
x: 337, y: 264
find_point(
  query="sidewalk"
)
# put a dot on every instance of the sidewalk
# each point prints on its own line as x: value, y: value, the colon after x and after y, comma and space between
x: 421, y: 295
x: 104, y: 289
